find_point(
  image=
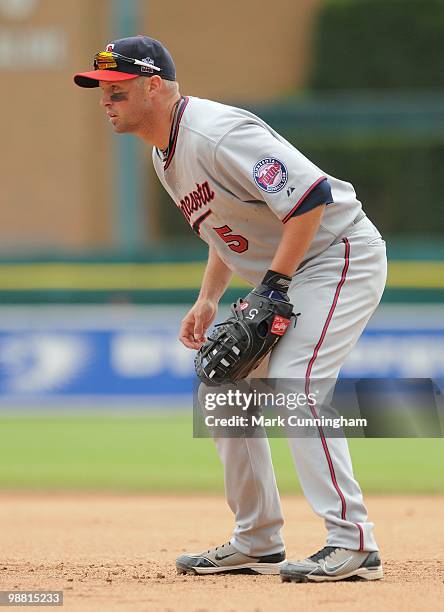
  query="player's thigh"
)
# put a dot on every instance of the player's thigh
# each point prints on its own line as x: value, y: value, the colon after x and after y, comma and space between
x: 335, y: 298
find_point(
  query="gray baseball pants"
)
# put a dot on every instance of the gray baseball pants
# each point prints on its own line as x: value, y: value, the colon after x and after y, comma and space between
x: 336, y: 294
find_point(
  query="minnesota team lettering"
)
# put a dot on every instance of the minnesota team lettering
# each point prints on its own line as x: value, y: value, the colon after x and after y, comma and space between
x: 194, y: 201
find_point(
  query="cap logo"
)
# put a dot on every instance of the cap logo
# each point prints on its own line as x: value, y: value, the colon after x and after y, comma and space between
x: 270, y: 174
x: 109, y: 47
x: 146, y: 60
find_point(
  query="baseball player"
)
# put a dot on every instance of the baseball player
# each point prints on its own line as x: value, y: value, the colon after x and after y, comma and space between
x: 273, y: 217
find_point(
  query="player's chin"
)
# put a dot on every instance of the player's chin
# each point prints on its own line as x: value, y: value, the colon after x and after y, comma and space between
x: 118, y: 126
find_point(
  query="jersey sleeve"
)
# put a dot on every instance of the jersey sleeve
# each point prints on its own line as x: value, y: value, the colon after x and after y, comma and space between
x: 321, y: 194
x: 254, y: 164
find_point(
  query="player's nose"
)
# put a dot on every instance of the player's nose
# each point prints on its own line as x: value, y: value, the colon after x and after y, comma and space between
x: 105, y: 99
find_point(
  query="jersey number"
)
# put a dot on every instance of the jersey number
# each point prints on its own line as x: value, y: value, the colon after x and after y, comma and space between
x: 237, y: 243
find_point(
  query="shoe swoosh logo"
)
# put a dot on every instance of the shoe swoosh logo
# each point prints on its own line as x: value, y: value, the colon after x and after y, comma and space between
x: 219, y: 558
x: 334, y: 569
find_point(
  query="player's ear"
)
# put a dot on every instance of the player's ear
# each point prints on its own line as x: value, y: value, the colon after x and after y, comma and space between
x: 154, y: 85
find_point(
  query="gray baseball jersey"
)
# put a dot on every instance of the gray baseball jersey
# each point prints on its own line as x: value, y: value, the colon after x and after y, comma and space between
x: 237, y: 181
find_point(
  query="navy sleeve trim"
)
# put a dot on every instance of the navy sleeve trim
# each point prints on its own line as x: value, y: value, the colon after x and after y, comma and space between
x: 302, y: 199
x: 321, y: 194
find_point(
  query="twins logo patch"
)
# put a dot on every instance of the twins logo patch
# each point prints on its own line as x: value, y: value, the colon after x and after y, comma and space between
x: 270, y: 174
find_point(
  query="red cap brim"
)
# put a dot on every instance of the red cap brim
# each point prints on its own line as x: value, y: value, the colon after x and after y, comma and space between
x: 91, y: 79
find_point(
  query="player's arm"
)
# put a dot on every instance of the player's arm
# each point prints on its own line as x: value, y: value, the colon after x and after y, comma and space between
x: 297, y: 236
x: 298, y: 195
x: 197, y: 320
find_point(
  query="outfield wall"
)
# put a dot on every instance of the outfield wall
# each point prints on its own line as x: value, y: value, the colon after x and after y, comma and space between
x: 100, y: 356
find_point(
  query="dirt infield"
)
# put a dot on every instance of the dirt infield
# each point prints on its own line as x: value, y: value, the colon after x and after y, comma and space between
x: 117, y: 553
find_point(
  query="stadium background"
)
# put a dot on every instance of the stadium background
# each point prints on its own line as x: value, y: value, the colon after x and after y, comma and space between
x: 97, y: 267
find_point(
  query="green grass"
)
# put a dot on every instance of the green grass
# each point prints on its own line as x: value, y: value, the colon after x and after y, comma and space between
x: 156, y: 453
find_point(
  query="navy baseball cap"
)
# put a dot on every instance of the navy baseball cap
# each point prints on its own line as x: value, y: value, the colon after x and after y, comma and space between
x: 129, y: 58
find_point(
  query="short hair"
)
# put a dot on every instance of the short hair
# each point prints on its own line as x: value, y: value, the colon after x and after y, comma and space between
x: 171, y: 87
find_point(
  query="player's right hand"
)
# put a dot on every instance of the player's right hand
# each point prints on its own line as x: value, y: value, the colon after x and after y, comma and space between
x: 196, y: 322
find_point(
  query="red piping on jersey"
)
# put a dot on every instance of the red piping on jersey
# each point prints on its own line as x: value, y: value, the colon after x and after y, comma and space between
x: 302, y: 198
x: 200, y: 220
x: 308, y: 373
x: 176, y: 133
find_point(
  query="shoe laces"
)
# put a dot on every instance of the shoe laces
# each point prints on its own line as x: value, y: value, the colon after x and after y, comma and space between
x: 323, y: 553
x: 218, y: 547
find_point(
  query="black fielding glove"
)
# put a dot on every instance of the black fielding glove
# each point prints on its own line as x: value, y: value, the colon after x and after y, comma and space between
x: 258, y: 322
